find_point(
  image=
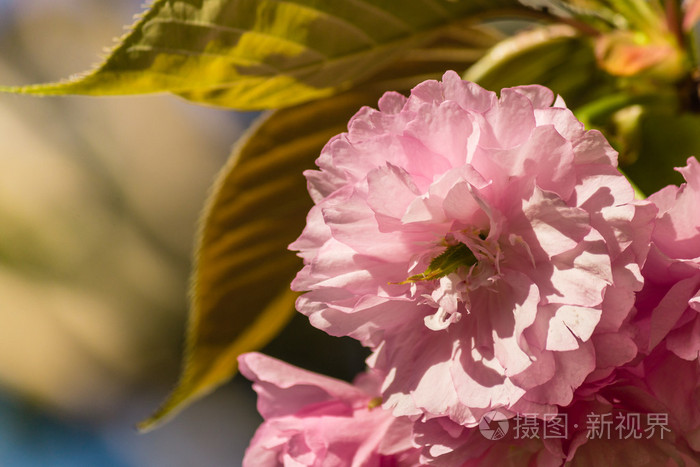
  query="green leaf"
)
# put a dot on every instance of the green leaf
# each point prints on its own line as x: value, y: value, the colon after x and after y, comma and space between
x: 555, y: 56
x: 255, y: 54
x: 240, y: 294
x: 240, y: 297
x: 665, y: 141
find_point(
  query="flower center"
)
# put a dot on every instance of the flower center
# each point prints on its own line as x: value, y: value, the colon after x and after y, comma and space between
x: 467, y: 263
x: 446, y: 263
x: 460, y: 252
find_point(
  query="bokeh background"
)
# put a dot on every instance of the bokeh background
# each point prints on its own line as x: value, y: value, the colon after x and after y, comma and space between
x: 99, y: 201
x: 99, y: 205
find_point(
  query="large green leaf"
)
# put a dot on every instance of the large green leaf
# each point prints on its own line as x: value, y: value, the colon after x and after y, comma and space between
x: 240, y: 291
x: 240, y: 295
x: 255, y: 54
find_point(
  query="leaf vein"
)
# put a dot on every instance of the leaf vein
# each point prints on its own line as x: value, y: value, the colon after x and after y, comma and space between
x: 238, y: 31
x: 191, y: 53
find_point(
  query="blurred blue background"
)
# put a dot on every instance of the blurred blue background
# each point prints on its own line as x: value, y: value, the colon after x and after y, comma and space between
x: 99, y: 201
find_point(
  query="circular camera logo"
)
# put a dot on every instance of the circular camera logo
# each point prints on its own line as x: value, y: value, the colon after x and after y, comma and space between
x: 493, y: 425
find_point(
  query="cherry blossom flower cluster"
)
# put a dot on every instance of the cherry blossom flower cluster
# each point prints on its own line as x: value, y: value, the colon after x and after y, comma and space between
x: 495, y: 261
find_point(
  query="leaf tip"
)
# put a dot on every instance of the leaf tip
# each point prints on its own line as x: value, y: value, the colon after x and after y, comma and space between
x: 182, y: 396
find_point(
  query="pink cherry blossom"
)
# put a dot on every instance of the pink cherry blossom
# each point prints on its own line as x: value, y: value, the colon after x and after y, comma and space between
x: 669, y: 304
x: 313, y: 420
x: 674, y: 384
x: 627, y: 423
x: 486, y: 249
